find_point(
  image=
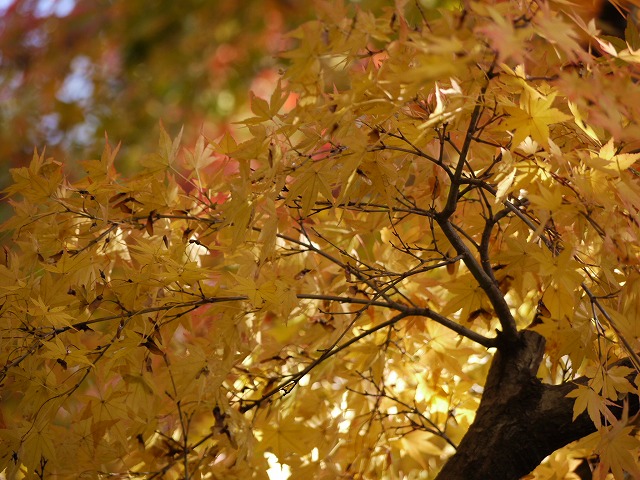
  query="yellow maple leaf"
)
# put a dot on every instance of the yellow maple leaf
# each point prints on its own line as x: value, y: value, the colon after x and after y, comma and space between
x: 608, y: 161
x: 579, y: 120
x: 533, y: 117
x: 247, y: 286
x: 618, y: 450
x: 312, y: 182
x: 587, y: 399
x: 288, y: 436
x: 613, y: 381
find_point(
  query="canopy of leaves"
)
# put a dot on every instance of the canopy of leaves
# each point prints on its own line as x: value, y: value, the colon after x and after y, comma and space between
x: 325, y: 295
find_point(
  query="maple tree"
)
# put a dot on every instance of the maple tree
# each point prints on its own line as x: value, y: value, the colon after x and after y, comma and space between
x: 424, y: 267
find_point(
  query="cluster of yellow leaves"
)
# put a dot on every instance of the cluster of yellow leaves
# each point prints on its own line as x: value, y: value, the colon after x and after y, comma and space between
x: 243, y: 300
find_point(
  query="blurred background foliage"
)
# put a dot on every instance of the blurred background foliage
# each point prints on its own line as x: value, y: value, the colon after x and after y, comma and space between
x: 73, y: 70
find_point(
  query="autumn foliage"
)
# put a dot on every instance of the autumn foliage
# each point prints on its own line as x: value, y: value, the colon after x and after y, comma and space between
x: 422, y: 189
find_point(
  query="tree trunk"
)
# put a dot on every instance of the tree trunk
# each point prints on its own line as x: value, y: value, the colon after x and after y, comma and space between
x: 520, y: 420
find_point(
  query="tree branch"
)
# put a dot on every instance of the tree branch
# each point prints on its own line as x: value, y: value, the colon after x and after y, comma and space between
x: 286, y: 386
x: 452, y: 198
x: 488, y: 285
x: 488, y: 342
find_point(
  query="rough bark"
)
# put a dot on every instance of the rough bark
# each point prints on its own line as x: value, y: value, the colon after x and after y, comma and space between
x: 520, y: 420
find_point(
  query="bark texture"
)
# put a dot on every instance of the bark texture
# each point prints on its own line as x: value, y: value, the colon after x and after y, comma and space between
x: 520, y: 420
